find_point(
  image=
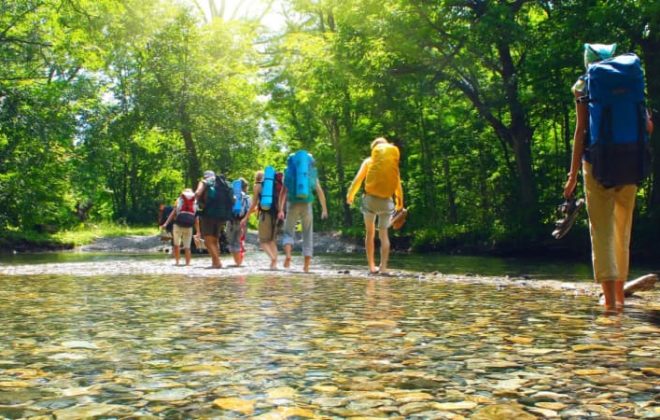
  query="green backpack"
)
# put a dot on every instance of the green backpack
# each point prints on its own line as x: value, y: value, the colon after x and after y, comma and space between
x: 219, y: 200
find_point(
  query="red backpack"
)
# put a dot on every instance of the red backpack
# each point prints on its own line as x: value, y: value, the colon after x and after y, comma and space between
x: 185, y: 216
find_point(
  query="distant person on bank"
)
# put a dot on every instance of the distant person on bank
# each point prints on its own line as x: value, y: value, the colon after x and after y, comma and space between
x: 610, y: 185
x: 184, y: 216
x: 380, y: 173
x: 300, y: 183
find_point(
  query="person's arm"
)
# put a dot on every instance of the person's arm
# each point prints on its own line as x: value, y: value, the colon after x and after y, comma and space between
x: 581, y: 124
x: 398, y: 195
x: 321, y: 195
x: 199, y: 192
x: 357, y: 181
x: 198, y: 231
x: 256, y: 191
x: 649, y: 122
x: 281, y: 205
x: 169, y: 219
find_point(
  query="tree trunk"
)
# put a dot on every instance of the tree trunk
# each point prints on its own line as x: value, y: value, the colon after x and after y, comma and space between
x: 451, y: 195
x: 651, y: 49
x: 332, y: 126
x: 521, y: 138
x: 427, y: 166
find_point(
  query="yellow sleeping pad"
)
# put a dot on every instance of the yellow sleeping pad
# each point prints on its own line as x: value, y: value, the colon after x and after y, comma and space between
x: 383, y: 172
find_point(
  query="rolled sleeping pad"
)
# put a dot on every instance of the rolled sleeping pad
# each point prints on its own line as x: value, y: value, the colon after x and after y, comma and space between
x: 303, y: 163
x: 267, y: 188
x: 237, y: 189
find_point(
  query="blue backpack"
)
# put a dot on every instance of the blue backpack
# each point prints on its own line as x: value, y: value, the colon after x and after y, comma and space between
x: 240, y: 200
x: 619, y: 148
x: 300, y: 177
x: 267, y: 191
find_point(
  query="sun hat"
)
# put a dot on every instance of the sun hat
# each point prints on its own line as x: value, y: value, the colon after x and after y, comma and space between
x: 188, y: 193
x: 209, y: 175
x: 597, y: 52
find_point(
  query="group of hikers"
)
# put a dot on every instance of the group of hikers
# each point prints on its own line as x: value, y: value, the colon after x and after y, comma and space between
x: 218, y: 208
x: 610, y: 145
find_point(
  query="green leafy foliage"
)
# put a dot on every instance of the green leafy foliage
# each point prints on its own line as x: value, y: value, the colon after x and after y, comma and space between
x: 109, y: 108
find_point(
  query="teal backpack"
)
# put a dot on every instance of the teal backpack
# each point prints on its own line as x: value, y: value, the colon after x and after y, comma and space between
x: 300, y: 177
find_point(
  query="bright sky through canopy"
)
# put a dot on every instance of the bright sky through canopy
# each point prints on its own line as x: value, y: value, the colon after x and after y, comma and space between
x: 269, y: 11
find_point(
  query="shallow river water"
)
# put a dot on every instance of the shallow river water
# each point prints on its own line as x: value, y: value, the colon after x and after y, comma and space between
x: 286, y: 345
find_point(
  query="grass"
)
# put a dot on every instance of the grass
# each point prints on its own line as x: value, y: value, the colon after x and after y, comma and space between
x: 80, y: 235
x: 86, y: 234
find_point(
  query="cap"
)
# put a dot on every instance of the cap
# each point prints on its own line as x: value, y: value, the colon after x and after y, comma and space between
x: 597, y: 52
x: 209, y: 175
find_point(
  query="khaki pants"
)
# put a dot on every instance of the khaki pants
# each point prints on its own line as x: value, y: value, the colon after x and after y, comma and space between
x: 610, y: 221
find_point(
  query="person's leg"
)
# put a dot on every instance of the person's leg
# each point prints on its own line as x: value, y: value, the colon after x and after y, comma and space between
x: 272, y: 252
x: 213, y: 247
x: 177, y: 254
x: 177, y: 238
x: 210, y: 230
x: 288, y: 232
x: 369, y: 238
x: 600, y: 208
x: 308, y: 235
x: 384, y: 249
x: 624, y: 205
x: 186, y: 239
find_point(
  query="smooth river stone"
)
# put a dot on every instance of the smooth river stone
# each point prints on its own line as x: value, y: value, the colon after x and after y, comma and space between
x: 502, y: 412
x: 175, y: 394
x: 239, y: 405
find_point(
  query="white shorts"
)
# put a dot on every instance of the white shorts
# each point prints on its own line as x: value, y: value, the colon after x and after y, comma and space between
x: 182, y: 236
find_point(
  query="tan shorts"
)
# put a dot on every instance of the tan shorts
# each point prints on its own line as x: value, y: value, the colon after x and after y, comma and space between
x: 373, y: 206
x: 182, y: 236
x: 267, y: 227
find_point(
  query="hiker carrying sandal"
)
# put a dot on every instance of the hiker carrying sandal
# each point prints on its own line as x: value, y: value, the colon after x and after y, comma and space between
x: 380, y: 173
x: 611, y: 141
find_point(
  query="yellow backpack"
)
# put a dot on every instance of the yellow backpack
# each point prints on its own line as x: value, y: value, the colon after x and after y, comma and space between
x: 383, y: 173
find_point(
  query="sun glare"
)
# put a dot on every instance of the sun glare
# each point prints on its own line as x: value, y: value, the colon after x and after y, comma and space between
x: 269, y: 12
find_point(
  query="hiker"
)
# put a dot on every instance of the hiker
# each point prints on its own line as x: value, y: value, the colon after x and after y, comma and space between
x: 300, y: 182
x: 164, y: 211
x: 620, y: 125
x: 265, y: 203
x: 183, y: 217
x: 235, y: 229
x: 380, y: 173
x: 215, y: 195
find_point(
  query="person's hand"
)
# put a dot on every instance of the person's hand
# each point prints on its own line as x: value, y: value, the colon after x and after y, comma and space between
x: 569, y: 187
x: 243, y: 222
x: 398, y: 207
x: 163, y: 226
x: 349, y: 200
x: 280, y: 215
x: 324, y: 214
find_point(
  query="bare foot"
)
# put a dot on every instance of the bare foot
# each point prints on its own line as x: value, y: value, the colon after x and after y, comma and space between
x: 273, y: 264
x: 287, y: 262
x: 306, y: 267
